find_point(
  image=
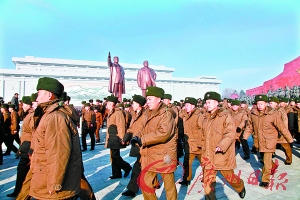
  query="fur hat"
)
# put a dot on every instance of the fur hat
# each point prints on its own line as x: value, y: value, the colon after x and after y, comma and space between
x: 168, y: 96
x: 243, y: 102
x: 261, y: 97
x: 297, y: 100
x: 274, y: 99
x: 155, y: 91
x: 212, y: 95
x: 139, y: 99
x: 4, y: 105
x: 34, y: 97
x: 283, y: 99
x: 27, y: 100
x: 127, y: 105
x: 51, y: 85
x: 112, y: 98
x: 63, y: 96
x: 235, y: 102
x: 191, y: 100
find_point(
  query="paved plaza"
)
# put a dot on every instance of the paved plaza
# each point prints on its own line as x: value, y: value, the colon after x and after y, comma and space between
x: 97, y: 170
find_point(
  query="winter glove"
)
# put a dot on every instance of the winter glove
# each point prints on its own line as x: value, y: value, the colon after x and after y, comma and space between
x: 136, y: 139
x: 127, y: 137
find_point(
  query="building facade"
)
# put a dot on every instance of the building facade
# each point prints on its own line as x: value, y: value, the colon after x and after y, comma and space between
x: 85, y: 80
x: 286, y: 84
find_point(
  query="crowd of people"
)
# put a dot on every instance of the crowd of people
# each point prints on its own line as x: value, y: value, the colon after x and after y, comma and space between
x: 158, y: 130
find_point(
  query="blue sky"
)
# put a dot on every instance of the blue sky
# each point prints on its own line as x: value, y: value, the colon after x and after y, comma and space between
x: 243, y: 43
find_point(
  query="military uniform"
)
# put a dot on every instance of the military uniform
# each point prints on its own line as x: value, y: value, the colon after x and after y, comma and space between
x: 99, y: 122
x: 135, y: 129
x: 241, y: 119
x: 88, y: 127
x: 218, y: 148
x: 14, y: 130
x: 266, y: 124
x: 6, y: 127
x: 157, y: 144
x: 192, y: 134
x: 116, y: 117
x: 281, y: 140
x: 158, y: 147
x: 23, y: 152
x: 56, y: 163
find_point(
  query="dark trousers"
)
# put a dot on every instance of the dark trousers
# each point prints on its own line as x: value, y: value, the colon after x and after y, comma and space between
x: 22, y: 170
x: 86, y: 192
x: 10, y: 142
x: 186, y: 159
x: 136, y: 170
x: 1, y: 155
x: 83, y: 138
x: 245, y: 146
x: 297, y: 137
x: 117, y: 163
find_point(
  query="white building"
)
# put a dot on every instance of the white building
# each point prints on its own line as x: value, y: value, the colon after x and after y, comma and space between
x: 85, y: 80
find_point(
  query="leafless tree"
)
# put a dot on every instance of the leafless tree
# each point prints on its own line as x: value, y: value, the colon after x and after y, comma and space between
x: 227, y: 92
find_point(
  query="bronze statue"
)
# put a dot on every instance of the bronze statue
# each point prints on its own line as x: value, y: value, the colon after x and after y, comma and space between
x: 146, y: 77
x: 116, y: 79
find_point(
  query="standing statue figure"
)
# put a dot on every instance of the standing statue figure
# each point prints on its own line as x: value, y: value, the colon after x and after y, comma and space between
x: 116, y: 79
x: 146, y: 77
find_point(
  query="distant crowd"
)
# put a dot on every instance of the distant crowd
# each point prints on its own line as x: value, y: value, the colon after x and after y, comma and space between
x: 159, y: 130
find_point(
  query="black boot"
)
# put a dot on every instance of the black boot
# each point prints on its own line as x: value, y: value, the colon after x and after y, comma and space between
x: 12, y: 195
x: 264, y: 184
x: 129, y: 193
x: 242, y: 194
x: 185, y: 182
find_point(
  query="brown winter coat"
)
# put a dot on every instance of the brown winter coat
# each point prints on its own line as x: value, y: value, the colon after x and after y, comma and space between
x: 135, y: 129
x: 14, y: 126
x: 219, y: 131
x: 159, y: 140
x: 116, y: 117
x: 89, y: 120
x: 56, y: 160
x: 137, y: 124
x: 99, y: 119
x: 266, y: 125
x: 240, y: 118
x: 128, y: 118
x: 26, y: 135
x: 175, y: 112
x: 27, y: 127
x: 282, y: 114
x: 192, y: 123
